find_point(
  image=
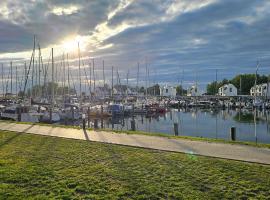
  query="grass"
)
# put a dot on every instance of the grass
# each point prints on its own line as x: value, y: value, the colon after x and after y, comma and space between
x: 40, y: 167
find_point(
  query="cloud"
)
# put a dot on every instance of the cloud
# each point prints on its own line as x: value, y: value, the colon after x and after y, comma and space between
x: 173, y: 35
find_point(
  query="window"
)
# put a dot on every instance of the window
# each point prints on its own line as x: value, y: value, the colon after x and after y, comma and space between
x: 167, y: 90
x: 230, y: 89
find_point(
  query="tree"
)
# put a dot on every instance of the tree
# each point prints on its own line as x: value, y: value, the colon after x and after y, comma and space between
x: 154, y: 90
x: 247, y: 81
x: 142, y: 90
x: 212, y: 88
x: 180, y: 90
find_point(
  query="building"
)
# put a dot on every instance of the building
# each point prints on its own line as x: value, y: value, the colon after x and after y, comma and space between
x: 167, y: 91
x: 193, y: 91
x: 227, y: 90
x: 261, y: 90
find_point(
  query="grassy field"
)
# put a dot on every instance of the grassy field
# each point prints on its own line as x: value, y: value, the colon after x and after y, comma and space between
x: 40, y: 167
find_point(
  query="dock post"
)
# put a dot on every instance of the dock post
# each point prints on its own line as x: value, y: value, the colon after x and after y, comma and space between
x: 233, y: 133
x: 102, y: 111
x: 102, y: 123
x: 50, y: 115
x: 175, y: 126
x: 19, y: 114
x: 96, y: 124
x: 133, y: 109
x: 88, y: 116
x: 83, y: 121
x: 133, y: 127
x: 72, y: 112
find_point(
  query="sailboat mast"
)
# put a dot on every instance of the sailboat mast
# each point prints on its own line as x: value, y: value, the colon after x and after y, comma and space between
x: 127, y: 82
x: 27, y: 74
x: 240, y: 84
x: 52, y: 79
x: 94, y: 76
x: 79, y: 54
x: 11, y: 77
x: 90, y: 70
x: 3, y: 86
x: 33, y: 61
x: 137, y: 85
x: 16, y: 80
x: 103, y: 73
x: 146, y: 70
x: 68, y: 76
x: 255, y: 87
x: 64, y: 70
x: 112, y: 82
x: 39, y: 68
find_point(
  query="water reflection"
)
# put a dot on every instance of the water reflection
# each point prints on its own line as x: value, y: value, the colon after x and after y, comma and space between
x: 250, y: 125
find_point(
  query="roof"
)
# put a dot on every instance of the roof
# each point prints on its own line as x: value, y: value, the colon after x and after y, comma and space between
x: 228, y: 85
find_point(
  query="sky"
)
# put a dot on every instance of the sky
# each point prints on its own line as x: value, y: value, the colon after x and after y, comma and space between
x: 180, y: 41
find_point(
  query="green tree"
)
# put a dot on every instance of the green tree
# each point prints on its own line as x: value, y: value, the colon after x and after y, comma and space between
x: 212, y: 88
x: 180, y: 90
x: 154, y: 90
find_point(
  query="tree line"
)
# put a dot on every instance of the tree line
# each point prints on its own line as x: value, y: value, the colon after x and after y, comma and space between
x: 243, y: 82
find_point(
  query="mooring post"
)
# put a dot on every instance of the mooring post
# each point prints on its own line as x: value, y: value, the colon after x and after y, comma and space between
x: 88, y: 116
x: 175, y: 126
x: 133, y: 127
x: 133, y: 110
x: 83, y: 121
x: 102, y: 123
x: 96, y: 124
x: 72, y: 112
x: 233, y: 133
x: 102, y: 111
x: 19, y: 114
x: 51, y: 120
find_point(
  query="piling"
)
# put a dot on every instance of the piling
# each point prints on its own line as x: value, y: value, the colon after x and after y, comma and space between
x: 175, y: 126
x: 19, y: 114
x: 133, y: 127
x: 102, y: 111
x: 233, y: 133
x: 83, y: 121
x: 72, y: 112
x: 133, y: 110
x: 95, y: 124
x: 51, y: 120
x: 88, y: 116
x: 102, y: 123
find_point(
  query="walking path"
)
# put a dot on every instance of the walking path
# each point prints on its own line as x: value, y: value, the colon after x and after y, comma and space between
x: 219, y: 150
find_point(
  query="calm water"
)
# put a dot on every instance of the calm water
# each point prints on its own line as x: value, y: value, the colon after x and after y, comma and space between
x: 200, y: 123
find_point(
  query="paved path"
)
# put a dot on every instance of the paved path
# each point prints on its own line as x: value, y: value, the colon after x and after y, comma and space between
x: 219, y: 150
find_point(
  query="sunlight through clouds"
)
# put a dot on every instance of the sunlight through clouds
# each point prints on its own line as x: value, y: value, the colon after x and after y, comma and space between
x: 65, y: 10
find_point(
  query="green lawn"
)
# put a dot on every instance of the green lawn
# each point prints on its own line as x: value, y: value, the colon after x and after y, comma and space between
x: 40, y: 167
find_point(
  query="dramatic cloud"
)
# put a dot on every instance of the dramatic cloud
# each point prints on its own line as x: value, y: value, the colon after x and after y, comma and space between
x: 196, y: 37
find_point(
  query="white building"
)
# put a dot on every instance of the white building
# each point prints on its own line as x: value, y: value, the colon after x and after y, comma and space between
x: 193, y: 91
x: 167, y: 91
x: 261, y: 90
x: 227, y: 90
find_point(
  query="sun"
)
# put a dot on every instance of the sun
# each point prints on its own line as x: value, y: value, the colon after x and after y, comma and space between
x: 71, y: 45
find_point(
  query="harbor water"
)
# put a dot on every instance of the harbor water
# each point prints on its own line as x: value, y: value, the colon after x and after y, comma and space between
x: 252, y: 126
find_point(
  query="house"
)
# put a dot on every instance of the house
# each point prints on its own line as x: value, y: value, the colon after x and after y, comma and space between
x: 167, y: 91
x: 193, y: 91
x: 261, y: 90
x: 227, y: 90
